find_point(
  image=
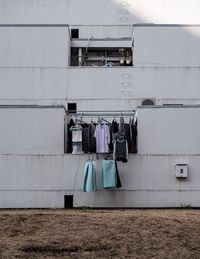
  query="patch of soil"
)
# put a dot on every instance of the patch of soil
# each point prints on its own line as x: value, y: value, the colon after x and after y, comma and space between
x: 100, y: 234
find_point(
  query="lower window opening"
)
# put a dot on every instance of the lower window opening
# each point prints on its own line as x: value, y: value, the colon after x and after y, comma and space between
x: 68, y: 201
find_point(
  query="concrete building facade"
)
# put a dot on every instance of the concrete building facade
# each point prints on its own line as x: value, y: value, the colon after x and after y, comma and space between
x: 57, y: 53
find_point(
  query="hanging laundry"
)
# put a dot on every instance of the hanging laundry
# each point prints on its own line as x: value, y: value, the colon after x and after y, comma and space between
x: 114, y: 126
x: 118, y: 185
x: 128, y: 135
x: 134, y: 138
x: 89, y: 183
x: 102, y: 135
x: 121, y: 125
x: 110, y: 175
x: 85, y: 142
x: 131, y: 136
x: 89, y: 141
x: 76, y: 139
x: 120, y: 152
x: 76, y: 133
x: 92, y: 140
x: 69, y: 136
x: 100, y: 139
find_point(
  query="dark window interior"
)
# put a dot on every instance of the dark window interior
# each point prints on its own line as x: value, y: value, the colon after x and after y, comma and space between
x: 72, y: 108
x: 68, y: 201
x: 107, y: 57
x: 75, y: 33
x: 148, y: 102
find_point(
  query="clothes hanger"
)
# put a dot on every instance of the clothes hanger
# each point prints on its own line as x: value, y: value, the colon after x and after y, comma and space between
x: 105, y: 120
x: 92, y: 122
x: 99, y: 120
x: 89, y: 159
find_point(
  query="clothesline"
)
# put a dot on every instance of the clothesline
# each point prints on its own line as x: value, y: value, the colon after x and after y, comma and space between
x: 127, y: 113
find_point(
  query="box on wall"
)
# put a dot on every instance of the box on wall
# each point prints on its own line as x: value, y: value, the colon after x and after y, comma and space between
x: 181, y: 170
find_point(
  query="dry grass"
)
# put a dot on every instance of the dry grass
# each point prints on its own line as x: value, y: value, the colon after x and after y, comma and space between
x: 100, y: 234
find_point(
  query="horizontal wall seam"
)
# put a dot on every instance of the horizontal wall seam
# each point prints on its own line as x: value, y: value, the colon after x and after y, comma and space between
x: 36, y: 67
x: 100, y: 190
x: 32, y: 25
x: 86, y: 155
x: 106, y: 68
x: 89, y: 25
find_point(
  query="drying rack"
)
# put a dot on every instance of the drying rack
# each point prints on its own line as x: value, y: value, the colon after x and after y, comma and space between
x: 125, y: 113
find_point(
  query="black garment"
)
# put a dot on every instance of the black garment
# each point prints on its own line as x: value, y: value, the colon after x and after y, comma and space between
x: 118, y: 185
x: 111, y: 139
x: 89, y: 141
x: 121, y: 125
x: 69, y: 136
x: 131, y: 136
x: 134, y: 138
x: 92, y: 139
x: 85, y: 139
x: 128, y: 136
x: 114, y: 127
x: 120, y: 148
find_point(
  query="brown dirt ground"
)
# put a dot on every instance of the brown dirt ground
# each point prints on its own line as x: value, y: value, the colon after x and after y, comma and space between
x: 100, y: 234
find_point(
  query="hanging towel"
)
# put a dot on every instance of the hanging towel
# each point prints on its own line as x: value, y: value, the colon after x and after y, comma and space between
x: 89, y: 183
x: 110, y: 175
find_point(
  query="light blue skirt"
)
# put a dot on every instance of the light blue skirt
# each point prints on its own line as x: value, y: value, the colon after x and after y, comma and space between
x: 89, y: 183
x: 109, y: 174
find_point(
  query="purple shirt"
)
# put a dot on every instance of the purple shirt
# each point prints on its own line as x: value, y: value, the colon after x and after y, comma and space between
x: 102, y: 135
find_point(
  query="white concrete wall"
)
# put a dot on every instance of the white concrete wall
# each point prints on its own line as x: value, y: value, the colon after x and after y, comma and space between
x: 34, y: 71
x: 40, y: 74
x: 123, y: 88
x: 147, y: 180
x: 106, y: 31
x: 33, y: 83
x: 117, y: 88
x: 99, y: 11
x: 168, y: 130
x: 160, y: 46
x: 31, y: 131
x: 34, y: 46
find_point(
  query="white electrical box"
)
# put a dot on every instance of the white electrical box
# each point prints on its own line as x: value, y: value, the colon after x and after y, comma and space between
x: 181, y: 170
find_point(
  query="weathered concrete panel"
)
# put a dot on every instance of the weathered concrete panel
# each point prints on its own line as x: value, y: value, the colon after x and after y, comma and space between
x: 169, y: 130
x: 166, y: 47
x: 147, y: 181
x: 31, y: 131
x: 91, y: 11
x: 93, y: 83
x: 127, y: 83
x: 34, y: 46
x: 33, y: 83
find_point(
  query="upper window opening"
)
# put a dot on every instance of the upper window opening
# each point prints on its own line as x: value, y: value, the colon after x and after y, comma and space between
x: 101, y: 57
x: 75, y: 33
x: 72, y: 108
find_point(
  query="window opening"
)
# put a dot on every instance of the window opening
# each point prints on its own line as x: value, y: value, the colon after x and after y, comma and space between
x: 75, y: 33
x: 72, y: 107
x: 101, y: 57
x: 68, y: 201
